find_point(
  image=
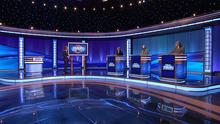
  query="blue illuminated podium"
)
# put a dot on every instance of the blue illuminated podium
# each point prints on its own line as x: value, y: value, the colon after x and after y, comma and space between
x: 116, y: 65
x: 173, y: 68
x: 140, y: 66
x: 33, y: 65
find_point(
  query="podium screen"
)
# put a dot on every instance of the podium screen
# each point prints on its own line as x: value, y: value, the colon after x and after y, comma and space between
x: 168, y: 66
x: 78, y: 49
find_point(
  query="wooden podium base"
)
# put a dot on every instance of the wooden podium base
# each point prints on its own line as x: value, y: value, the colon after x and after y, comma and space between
x: 71, y: 64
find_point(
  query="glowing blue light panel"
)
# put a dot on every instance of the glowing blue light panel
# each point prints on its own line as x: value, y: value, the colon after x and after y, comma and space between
x: 54, y: 53
x: 208, y: 49
x: 21, y: 53
x: 128, y: 51
x: 83, y: 57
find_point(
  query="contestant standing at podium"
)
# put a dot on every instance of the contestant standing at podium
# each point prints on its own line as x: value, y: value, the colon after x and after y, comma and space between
x: 179, y: 49
x: 144, y: 51
x: 65, y: 58
x: 119, y: 52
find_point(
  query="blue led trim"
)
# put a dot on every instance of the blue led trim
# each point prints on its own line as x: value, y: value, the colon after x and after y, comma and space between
x: 151, y: 84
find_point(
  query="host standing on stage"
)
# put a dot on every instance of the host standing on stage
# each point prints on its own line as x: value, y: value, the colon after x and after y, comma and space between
x: 119, y: 52
x: 65, y: 58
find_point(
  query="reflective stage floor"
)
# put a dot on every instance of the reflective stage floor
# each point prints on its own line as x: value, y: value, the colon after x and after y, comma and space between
x: 98, y: 101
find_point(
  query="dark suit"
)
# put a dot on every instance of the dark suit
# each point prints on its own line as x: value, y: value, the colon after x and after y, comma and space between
x: 119, y: 53
x: 65, y: 59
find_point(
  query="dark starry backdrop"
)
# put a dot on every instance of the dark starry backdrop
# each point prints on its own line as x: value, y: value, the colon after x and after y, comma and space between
x: 96, y: 15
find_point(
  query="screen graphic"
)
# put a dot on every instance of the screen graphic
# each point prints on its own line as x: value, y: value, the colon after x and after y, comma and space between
x: 168, y: 66
x: 78, y: 49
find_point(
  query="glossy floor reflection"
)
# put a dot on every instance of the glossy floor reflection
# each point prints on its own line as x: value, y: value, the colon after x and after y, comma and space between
x: 91, y: 102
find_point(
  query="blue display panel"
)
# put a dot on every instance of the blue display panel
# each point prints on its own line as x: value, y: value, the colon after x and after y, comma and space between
x: 78, y: 49
x: 40, y: 47
x: 8, y: 53
x: 111, y: 64
x: 193, y: 42
x: 116, y: 64
x: 168, y: 66
x: 155, y: 65
x: 145, y: 65
x: 136, y: 65
x: 120, y: 64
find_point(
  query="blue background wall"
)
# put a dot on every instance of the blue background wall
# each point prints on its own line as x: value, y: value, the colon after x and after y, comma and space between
x: 216, y: 48
x: 193, y: 42
x: 8, y: 53
x: 98, y: 51
x: 100, y: 48
x: 40, y: 47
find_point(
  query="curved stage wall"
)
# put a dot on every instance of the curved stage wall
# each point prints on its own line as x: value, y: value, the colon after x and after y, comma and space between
x: 160, y: 39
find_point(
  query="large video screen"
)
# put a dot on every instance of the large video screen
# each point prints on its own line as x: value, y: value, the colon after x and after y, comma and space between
x: 78, y: 49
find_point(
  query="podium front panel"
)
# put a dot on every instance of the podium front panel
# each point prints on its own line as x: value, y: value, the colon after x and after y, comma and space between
x: 168, y: 66
x: 135, y: 65
x: 111, y: 64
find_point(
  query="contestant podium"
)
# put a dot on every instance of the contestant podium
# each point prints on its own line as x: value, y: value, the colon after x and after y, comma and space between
x: 33, y: 65
x: 116, y: 65
x: 173, y: 68
x: 140, y: 66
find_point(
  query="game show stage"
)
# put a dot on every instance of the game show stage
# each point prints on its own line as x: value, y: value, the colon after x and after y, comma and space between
x: 182, y: 55
x: 146, y: 75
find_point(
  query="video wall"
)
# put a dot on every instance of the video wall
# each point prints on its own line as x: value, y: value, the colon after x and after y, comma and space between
x: 8, y: 53
x: 193, y: 42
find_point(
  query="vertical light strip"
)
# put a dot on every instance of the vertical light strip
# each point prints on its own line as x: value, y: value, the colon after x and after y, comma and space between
x: 208, y: 49
x: 21, y: 53
x: 54, y: 53
x: 128, y: 52
x: 83, y: 57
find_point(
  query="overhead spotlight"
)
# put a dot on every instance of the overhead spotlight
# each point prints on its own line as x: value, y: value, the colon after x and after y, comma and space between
x: 84, y: 9
x: 78, y: 31
x: 162, y: 22
x: 33, y: 2
x: 1, y: 24
x: 121, y: 6
x: 117, y: 30
x: 143, y: 1
x: 74, y: 8
x: 94, y: 9
x: 44, y: 4
x: 65, y: 7
x: 55, y: 6
x: 194, y: 14
x: 56, y: 30
x: 139, y: 2
x: 138, y: 27
x: 104, y: 0
x: 112, y: 7
x: 130, y: 4
x: 103, y: 9
x: 97, y: 31
x: 32, y: 28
